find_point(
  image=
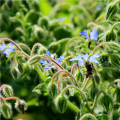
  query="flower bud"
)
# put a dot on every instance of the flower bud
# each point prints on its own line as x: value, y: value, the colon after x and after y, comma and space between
x: 111, y: 10
x: 21, y: 106
x: 107, y: 102
x: 44, y: 22
x: 52, y: 90
x: 20, y: 67
x: 20, y: 59
x: 110, y: 36
x: 8, y: 91
x: 38, y: 32
x: 14, y: 73
x: 96, y: 78
x: 93, y: 91
x: 6, y: 110
x: 53, y: 25
x: 61, y: 103
x: 34, y: 61
x: 26, y: 69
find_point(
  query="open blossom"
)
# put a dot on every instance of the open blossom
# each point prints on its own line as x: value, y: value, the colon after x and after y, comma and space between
x: 93, y: 35
x: 85, y: 58
x: 7, y: 48
x: 49, y: 63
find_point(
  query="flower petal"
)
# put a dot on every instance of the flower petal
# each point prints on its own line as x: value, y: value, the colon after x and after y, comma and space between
x: 94, y: 34
x: 49, y: 67
x: 85, y: 57
x: 92, y: 59
x: 7, y: 50
x: 80, y: 63
x: 43, y: 62
x: 97, y: 55
x: 76, y: 58
x: 2, y: 46
x: 48, y: 53
x: 84, y: 33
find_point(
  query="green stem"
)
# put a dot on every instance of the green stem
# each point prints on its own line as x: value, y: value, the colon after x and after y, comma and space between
x: 86, y: 82
x: 66, y: 72
x: 40, y: 73
x: 35, y: 45
x: 99, y: 46
x: 45, y: 56
x: 88, y: 115
x: 115, y: 25
x: 7, y: 39
x: 95, y: 100
x: 67, y: 46
x: 72, y: 106
x: 22, y: 44
x: 116, y: 2
x: 72, y: 86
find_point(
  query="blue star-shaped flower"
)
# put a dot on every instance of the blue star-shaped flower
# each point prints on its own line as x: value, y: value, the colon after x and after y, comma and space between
x: 85, y: 58
x: 93, y: 35
x: 48, y: 62
x: 7, y: 48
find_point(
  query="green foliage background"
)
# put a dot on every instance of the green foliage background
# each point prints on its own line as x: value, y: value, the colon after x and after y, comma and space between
x: 38, y: 21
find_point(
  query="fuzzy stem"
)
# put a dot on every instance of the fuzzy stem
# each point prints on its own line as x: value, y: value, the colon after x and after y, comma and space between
x: 2, y: 87
x: 14, y: 62
x: 72, y: 106
x: 33, y: 49
x: 64, y: 71
x: 7, y: 39
x: 10, y: 98
x: 88, y: 115
x: 60, y: 77
x: 115, y: 81
x: 72, y: 39
x: 2, y: 99
x: 68, y: 57
x: 22, y: 44
x: 72, y: 86
x: 89, y: 85
x: 86, y: 82
x: 23, y: 53
x: 73, y: 66
x: 40, y: 73
x: 95, y: 100
x: 99, y: 46
x: 116, y: 2
x: 46, y: 56
x: 115, y: 25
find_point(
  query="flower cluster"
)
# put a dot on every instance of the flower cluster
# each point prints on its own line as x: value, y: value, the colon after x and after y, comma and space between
x: 49, y: 63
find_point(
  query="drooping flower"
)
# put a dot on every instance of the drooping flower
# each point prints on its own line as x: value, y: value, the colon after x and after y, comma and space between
x: 93, y: 35
x: 86, y: 61
x: 7, y: 48
x: 49, y: 63
x: 85, y: 58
